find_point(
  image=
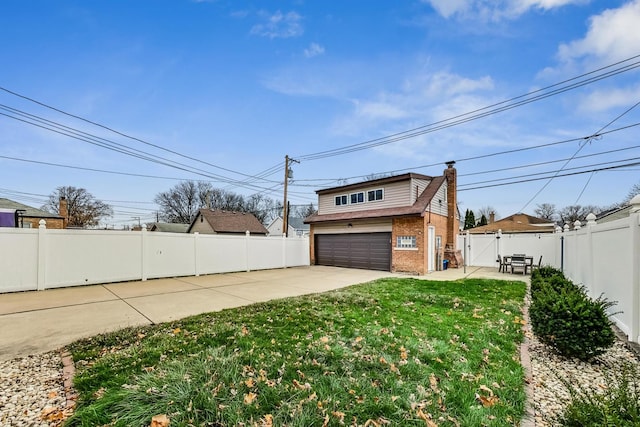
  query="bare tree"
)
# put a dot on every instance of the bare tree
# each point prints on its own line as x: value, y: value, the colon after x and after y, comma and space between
x: 304, y: 211
x: 546, y: 211
x: 181, y: 203
x: 486, y: 211
x: 262, y: 207
x: 634, y: 191
x: 573, y: 213
x: 83, y: 208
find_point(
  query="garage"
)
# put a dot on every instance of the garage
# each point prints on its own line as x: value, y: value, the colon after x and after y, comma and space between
x: 370, y: 251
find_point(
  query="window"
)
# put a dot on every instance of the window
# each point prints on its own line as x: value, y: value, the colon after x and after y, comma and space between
x: 374, y: 195
x: 341, y: 200
x: 357, y: 198
x: 405, y: 242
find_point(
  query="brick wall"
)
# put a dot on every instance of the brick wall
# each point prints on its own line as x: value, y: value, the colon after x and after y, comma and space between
x: 409, y: 260
x: 52, y: 223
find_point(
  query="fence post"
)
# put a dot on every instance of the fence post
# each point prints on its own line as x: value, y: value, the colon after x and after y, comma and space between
x: 42, y: 255
x: 196, y: 238
x: 634, y: 224
x: 284, y: 251
x: 247, y: 248
x: 591, y: 283
x: 143, y: 249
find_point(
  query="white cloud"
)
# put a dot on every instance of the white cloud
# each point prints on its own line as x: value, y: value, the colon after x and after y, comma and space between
x: 494, y: 10
x: 314, y: 49
x: 604, y: 100
x: 422, y: 99
x: 279, y: 25
x: 613, y: 35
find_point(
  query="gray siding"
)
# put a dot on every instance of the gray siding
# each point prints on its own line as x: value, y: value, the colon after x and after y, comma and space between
x: 439, y: 202
x: 396, y: 194
x: 202, y: 227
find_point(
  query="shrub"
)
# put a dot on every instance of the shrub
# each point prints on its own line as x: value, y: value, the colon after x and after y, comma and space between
x: 617, y: 405
x: 566, y: 319
x: 544, y: 274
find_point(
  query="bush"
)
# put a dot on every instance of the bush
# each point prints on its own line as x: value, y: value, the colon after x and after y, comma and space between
x: 617, y: 405
x: 566, y: 319
x: 544, y: 274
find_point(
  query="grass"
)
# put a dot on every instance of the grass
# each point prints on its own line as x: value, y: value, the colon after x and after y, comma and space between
x: 394, y: 351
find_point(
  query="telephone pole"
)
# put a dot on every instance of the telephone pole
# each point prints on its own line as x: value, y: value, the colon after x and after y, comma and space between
x: 288, y: 173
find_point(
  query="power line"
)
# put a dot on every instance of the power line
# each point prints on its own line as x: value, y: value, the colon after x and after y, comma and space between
x: 610, y: 168
x: 596, y: 135
x: 546, y: 173
x: 114, y: 146
x: 123, y: 134
x: 483, y: 156
x: 484, y: 111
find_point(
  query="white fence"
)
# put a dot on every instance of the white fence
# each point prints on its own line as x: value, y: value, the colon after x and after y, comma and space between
x: 605, y: 258
x: 36, y: 259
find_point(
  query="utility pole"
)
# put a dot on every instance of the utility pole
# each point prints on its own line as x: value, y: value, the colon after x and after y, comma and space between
x: 288, y: 173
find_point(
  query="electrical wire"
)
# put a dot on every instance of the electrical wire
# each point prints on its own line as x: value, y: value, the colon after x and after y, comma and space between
x: 482, y: 112
x: 610, y: 168
x: 122, y: 133
x: 595, y: 136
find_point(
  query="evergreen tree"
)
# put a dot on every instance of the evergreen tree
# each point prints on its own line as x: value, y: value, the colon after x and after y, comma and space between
x: 469, y: 219
x: 483, y: 221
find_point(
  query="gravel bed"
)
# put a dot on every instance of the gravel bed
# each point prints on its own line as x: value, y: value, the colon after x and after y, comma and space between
x: 549, y: 369
x: 32, y: 392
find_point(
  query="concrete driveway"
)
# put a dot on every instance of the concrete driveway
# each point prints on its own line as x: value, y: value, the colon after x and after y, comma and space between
x: 38, y: 321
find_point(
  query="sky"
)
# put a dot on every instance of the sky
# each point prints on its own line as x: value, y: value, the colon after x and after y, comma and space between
x: 515, y: 91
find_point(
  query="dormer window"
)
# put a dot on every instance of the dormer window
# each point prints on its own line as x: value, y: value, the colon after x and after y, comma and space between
x: 341, y: 200
x: 374, y: 195
x: 357, y: 198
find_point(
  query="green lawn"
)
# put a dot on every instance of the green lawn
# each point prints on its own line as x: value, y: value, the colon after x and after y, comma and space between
x: 390, y: 352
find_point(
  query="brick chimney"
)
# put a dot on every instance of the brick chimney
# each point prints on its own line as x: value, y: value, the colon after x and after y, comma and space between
x: 492, y: 217
x: 63, y: 211
x: 453, y: 222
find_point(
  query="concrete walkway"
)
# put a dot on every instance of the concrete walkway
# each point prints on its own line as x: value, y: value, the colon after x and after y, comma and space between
x: 38, y: 321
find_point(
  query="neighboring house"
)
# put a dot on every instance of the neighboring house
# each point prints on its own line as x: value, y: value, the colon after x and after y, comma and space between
x: 613, y: 214
x: 14, y: 214
x: 210, y: 221
x: 405, y: 223
x: 296, y: 227
x: 168, y: 227
x: 516, y: 223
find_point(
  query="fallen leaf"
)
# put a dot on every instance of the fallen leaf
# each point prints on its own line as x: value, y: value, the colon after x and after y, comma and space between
x: 487, y: 389
x: 160, y: 421
x: 249, y: 382
x: 52, y: 394
x: 249, y: 398
x: 339, y: 415
x: 245, y: 330
x: 176, y: 331
x: 52, y: 414
x: 487, y: 402
x: 267, y: 421
x: 305, y: 386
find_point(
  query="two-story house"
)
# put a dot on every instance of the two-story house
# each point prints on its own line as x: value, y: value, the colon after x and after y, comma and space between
x: 404, y: 223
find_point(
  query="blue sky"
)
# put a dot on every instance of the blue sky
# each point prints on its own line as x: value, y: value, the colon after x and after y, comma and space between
x: 238, y: 85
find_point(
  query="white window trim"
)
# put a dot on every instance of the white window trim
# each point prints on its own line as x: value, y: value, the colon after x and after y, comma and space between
x: 341, y: 196
x: 410, y: 237
x: 374, y: 191
x: 355, y: 194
